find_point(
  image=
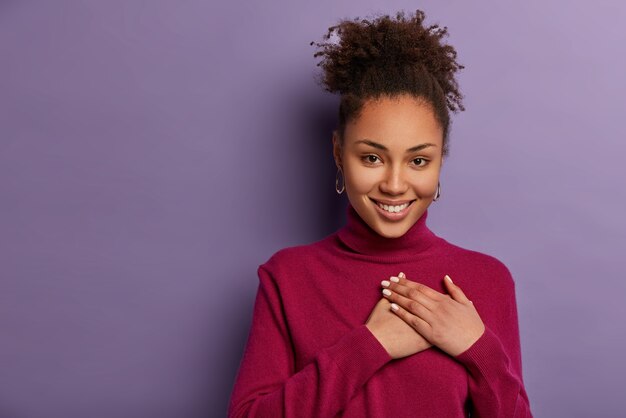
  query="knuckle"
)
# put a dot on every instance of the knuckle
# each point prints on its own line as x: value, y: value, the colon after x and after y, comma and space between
x: 413, y: 293
x: 414, y: 306
x: 414, y: 322
x: 446, y: 308
x: 438, y: 307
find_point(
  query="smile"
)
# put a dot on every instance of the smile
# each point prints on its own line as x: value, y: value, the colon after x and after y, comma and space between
x: 393, y: 209
x: 394, y: 212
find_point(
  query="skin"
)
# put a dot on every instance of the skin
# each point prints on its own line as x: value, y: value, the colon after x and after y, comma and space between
x: 397, y: 123
x: 424, y: 316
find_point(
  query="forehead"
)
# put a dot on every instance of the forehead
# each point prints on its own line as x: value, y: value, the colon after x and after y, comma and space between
x: 401, y: 120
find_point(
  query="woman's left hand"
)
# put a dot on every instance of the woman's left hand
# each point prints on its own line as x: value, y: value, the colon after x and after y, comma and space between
x: 449, y: 322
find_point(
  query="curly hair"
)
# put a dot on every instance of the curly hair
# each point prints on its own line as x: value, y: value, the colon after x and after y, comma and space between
x: 386, y: 57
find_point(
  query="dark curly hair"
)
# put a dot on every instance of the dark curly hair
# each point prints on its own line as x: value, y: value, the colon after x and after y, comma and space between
x: 386, y: 57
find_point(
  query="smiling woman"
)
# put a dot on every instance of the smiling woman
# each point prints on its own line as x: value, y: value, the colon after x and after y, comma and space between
x: 324, y: 340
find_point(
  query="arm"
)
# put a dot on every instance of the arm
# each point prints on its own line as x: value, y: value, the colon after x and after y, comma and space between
x: 495, y: 366
x: 267, y: 384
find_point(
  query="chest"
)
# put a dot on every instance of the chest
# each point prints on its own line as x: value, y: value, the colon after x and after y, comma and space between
x: 322, y: 306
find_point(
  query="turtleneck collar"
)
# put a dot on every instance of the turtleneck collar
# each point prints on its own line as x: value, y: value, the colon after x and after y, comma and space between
x: 362, y: 239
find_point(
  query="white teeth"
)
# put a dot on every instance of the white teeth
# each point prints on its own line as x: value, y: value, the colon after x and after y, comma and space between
x: 392, y: 209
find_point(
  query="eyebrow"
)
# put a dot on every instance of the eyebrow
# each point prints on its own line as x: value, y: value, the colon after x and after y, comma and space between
x: 384, y: 148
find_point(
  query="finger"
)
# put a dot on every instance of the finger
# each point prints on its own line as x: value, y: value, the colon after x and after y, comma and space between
x: 415, y: 307
x: 417, y: 323
x: 395, y: 282
x: 455, y: 291
x: 409, y: 293
x: 428, y: 291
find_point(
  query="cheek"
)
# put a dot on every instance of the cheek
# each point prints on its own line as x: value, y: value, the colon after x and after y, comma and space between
x: 425, y: 185
x: 361, y: 179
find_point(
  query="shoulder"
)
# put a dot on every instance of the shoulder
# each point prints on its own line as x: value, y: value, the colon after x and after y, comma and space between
x: 294, y: 257
x: 486, y: 265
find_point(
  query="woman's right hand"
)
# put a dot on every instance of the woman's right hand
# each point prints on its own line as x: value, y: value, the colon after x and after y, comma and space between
x: 395, y: 335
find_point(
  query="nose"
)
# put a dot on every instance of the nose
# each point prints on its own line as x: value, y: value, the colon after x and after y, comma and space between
x: 394, y: 182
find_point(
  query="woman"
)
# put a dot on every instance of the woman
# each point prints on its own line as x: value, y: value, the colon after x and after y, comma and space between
x: 325, y: 341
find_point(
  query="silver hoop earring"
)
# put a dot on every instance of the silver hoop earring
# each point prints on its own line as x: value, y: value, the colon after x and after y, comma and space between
x: 343, y: 186
x: 438, y: 192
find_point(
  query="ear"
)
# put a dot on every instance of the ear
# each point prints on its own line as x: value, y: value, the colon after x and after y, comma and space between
x: 337, y: 149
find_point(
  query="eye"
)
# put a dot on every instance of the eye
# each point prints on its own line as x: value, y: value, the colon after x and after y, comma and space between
x: 421, y: 159
x: 369, y: 158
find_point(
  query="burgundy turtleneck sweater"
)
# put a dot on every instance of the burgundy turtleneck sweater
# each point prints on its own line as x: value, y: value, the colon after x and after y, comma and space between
x: 309, y: 353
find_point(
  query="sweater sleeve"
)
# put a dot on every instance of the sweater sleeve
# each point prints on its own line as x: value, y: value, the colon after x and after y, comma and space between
x: 495, y: 366
x: 267, y: 384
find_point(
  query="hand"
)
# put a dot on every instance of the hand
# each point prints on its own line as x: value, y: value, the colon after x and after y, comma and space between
x: 450, y: 322
x: 395, y: 335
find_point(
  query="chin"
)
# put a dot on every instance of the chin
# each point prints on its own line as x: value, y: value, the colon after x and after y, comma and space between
x: 391, y: 232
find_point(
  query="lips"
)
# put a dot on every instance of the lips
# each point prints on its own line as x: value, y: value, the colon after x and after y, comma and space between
x: 392, y: 203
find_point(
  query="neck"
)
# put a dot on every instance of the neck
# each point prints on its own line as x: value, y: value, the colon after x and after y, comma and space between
x: 362, y: 239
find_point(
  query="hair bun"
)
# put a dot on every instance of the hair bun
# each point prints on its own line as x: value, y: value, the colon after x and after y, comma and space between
x: 355, y: 49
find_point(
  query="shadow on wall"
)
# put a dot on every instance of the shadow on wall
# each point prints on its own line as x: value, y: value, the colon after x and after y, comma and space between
x: 312, y: 116
x: 316, y: 116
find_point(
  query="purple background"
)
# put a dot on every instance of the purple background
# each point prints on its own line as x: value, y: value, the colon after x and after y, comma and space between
x: 154, y: 153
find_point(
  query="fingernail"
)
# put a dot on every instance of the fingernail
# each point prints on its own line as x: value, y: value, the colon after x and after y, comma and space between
x: 449, y: 279
x: 394, y: 279
x: 386, y: 292
x: 402, y: 275
x: 385, y: 283
x: 394, y: 306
